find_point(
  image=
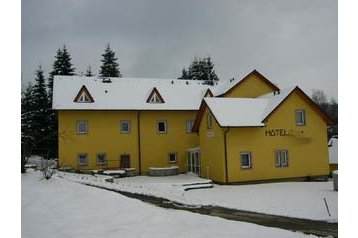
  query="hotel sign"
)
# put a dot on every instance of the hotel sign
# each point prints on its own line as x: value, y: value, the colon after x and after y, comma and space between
x: 276, y: 132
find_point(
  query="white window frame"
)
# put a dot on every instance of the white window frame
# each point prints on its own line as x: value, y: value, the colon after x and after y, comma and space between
x: 281, y: 159
x: 209, y: 121
x: 300, y: 114
x: 129, y: 126
x: 78, y: 127
x: 189, y: 126
x: 83, y: 98
x: 176, y: 157
x: 154, y: 99
x: 250, y: 160
x: 103, y: 162
x: 165, y: 127
x: 78, y: 159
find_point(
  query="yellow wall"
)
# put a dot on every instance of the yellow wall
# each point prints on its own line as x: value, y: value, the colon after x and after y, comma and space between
x: 104, y: 136
x: 155, y: 147
x: 250, y: 88
x: 306, y: 145
x: 212, y: 150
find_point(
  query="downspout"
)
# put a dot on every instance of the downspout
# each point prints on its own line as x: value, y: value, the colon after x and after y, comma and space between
x: 139, y: 150
x: 225, y: 155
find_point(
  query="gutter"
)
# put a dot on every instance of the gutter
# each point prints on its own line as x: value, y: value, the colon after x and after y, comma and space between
x: 225, y: 155
x: 139, y: 149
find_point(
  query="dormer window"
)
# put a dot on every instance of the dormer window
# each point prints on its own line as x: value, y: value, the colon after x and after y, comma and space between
x: 155, y: 97
x: 84, y: 96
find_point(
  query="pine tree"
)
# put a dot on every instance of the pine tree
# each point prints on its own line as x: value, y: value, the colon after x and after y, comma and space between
x: 27, y: 139
x: 27, y: 117
x: 109, y: 67
x: 61, y: 66
x: 201, y: 69
x: 89, y: 72
x: 41, y: 115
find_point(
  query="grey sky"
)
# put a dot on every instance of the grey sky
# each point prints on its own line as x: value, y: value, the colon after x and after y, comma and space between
x: 292, y: 42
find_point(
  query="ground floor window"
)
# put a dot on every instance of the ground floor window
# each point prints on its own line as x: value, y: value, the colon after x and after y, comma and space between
x: 246, y: 160
x: 173, y: 157
x: 281, y: 158
x: 101, y: 158
x: 82, y: 159
x: 125, y: 162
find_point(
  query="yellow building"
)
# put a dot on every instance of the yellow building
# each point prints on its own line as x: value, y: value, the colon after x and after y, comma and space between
x: 244, y: 130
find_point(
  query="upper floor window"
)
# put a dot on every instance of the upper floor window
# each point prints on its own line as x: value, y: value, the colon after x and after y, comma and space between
x: 162, y: 127
x: 300, y: 117
x: 209, y: 121
x: 189, y: 126
x: 125, y: 127
x: 82, y: 159
x: 246, y: 161
x: 82, y: 127
x: 281, y: 158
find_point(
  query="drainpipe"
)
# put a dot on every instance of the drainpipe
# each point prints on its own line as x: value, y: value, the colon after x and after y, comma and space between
x: 225, y: 155
x: 139, y: 151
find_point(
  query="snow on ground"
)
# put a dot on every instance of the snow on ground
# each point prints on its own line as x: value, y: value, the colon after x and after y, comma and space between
x: 61, y: 208
x: 293, y: 199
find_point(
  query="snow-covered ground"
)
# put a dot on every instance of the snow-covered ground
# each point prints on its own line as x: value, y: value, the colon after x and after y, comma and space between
x: 61, y: 208
x: 293, y: 199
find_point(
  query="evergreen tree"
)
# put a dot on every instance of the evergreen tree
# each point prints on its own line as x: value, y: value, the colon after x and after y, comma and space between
x: 27, y: 117
x: 201, y: 69
x: 27, y: 139
x: 89, y: 72
x: 61, y: 66
x: 41, y: 115
x: 329, y: 108
x: 109, y: 67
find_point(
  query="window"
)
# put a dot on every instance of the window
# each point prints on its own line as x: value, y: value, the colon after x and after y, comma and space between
x: 101, y: 158
x: 300, y: 117
x: 189, y: 126
x: 246, y: 160
x: 209, y: 121
x: 281, y: 158
x: 125, y: 127
x: 154, y: 99
x: 83, y: 98
x: 82, y: 159
x: 173, y: 157
x: 82, y: 127
x: 162, y: 127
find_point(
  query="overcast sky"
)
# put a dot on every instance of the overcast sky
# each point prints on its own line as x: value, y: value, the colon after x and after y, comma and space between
x: 291, y: 42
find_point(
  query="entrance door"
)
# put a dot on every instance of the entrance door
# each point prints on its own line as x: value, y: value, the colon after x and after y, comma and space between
x: 125, y: 162
x: 193, y: 162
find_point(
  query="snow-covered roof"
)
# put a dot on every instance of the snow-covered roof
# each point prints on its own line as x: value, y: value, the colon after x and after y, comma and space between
x: 244, y: 112
x: 237, y: 112
x: 127, y: 93
x: 224, y: 88
x: 333, y: 150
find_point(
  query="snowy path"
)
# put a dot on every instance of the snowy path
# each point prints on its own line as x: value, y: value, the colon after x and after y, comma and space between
x: 291, y: 199
x: 59, y: 208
